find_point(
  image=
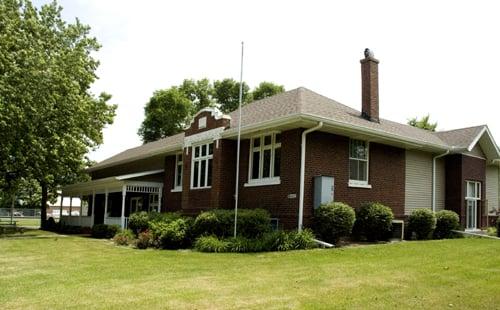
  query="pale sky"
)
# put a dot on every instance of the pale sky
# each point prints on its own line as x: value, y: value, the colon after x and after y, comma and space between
x: 437, y: 57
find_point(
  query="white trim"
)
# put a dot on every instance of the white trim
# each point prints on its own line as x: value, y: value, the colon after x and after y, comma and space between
x: 261, y: 149
x: 353, y: 183
x: 203, y: 137
x: 176, y: 173
x: 176, y: 190
x: 263, y: 182
x: 138, y: 174
x: 214, y: 112
x: 472, y: 155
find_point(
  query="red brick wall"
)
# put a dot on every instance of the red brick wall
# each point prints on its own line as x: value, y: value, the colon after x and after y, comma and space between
x: 459, y: 169
x: 274, y: 198
x: 171, y: 200
x: 328, y: 155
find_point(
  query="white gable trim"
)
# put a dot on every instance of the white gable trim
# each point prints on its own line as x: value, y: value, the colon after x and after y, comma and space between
x: 214, y: 112
x: 485, y: 130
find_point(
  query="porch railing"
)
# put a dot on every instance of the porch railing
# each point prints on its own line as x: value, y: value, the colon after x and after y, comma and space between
x: 115, y: 221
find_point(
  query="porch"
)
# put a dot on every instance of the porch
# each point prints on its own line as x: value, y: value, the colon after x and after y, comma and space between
x: 111, y: 200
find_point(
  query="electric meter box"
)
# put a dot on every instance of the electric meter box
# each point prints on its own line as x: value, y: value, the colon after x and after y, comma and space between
x: 323, y: 190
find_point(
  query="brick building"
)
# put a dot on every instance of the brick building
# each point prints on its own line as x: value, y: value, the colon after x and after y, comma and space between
x: 291, y: 143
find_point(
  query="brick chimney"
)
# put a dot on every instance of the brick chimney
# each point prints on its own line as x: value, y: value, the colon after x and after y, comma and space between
x: 369, y: 86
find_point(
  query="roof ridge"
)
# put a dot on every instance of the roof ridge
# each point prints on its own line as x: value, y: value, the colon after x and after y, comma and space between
x: 464, y: 128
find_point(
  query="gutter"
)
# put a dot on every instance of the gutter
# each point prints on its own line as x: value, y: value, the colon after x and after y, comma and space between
x: 434, y: 178
x: 302, y: 171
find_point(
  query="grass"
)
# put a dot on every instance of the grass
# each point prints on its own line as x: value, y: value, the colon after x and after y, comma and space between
x: 40, y: 270
x: 24, y: 222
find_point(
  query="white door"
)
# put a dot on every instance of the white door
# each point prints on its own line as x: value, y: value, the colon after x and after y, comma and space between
x: 473, y: 195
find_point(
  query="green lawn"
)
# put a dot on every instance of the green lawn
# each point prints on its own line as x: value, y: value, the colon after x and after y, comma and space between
x: 24, y: 222
x: 42, y: 270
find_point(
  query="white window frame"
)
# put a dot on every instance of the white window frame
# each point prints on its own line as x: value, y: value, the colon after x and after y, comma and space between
x: 360, y: 183
x: 177, y: 187
x: 474, y: 200
x: 261, y: 181
x: 200, y: 159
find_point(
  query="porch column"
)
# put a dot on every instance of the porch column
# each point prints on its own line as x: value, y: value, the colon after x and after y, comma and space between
x: 61, y: 207
x: 124, y: 194
x: 93, y: 208
x: 105, y: 206
x: 159, y: 199
x: 70, y: 204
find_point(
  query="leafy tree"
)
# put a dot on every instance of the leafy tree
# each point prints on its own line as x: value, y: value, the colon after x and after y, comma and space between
x: 198, y: 92
x: 423, y: 123
x: 49, y: 119
x: 227, y: 94
x: 166, y: 114
x: 267, y: 89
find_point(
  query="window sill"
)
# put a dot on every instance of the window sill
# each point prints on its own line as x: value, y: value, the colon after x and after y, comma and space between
x: 176, y: 190
x: 199, y: 188
x: 359, y: 185
x: 263, y: 182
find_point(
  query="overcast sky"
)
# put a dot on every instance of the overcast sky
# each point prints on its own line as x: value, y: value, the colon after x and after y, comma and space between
x: 437, y: 57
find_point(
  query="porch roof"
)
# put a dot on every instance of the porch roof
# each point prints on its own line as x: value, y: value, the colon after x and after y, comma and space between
x: 115, y: 184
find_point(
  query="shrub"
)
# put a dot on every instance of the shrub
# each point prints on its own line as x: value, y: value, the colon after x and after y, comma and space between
x: 211, y: 244
x: 138, y: 222
x: 103, y: 231
x: 252, y: 223
x: 51, y: 224
x: 422, y: 223
x: 303, y: 240
x: 164, y: 217
x: 144, y: 240
x: 172, y: 235
x: 124, y: 237
x: 374, y: 221
x: 446, y: 221
x: 498, y: 227
x: 333, y: 221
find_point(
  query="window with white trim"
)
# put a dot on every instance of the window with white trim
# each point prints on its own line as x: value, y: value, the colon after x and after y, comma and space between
x: 473, y: 195
x: 201, y: 166
x: 178, y: 172
x: 265, y: 157
x: 358, y: 162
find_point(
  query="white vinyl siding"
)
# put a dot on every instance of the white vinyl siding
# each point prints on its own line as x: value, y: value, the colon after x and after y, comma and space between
x: 440, y: 184
x: 492, y: 189
x: 418, y: 183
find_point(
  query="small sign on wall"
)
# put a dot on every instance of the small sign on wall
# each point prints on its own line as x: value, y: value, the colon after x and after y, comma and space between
x: 292, y: 196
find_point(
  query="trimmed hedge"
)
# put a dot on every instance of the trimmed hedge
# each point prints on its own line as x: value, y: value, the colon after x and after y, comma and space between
x: 446, y: 221
x: 373, y: 221
x: 333, y: 221
x: 103, y: 231
x: 273, y: 241
x: 498, y: 227
x: 124, y: 237
x: 138, y: 222
x: 252, y: 223
x: 422, y: 223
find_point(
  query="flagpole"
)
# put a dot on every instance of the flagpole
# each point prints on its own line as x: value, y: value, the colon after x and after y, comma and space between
x: 238, y: 147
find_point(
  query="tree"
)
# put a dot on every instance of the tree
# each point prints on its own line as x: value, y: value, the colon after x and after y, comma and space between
x: 267, y: 89
x: 198, y: 92
x: 166, y: 113
x: 49, y: 119
x: 227, y: 94
x: 423, y: 123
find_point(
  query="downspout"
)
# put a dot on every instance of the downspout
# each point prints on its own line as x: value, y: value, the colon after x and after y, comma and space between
x: 302, y: 171
x: 434, y: 179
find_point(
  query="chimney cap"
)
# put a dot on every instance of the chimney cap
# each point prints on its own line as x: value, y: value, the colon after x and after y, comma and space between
x: 368, y: 53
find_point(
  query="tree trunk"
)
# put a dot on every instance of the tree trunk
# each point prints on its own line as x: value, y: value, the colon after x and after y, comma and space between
x: 43, y: 210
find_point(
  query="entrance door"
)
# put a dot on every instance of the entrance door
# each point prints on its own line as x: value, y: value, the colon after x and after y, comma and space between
x: 472, y: 197
x: 135, y: 204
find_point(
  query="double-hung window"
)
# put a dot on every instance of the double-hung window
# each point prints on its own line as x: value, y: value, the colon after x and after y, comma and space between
x: 358, y: 162
x: 265, y: 158
x: 201, y: 167
x: 473, y: 195
x: 178, y: 172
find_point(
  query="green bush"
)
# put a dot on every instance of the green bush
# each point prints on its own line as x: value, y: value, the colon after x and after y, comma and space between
x: 144, y: 240
x: 172, y: 235
x: 422, y: 223
x: 103, y: 231
x: 124, y: 237
x: 333, y: 221
x: 303, y: 240
x: 446, y: 221
x: 252, y: 223
x: 498, y: 227
x: 138, y: 222
x: 374, y: 221
x: 211, y: 244
x: 166, y: 217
